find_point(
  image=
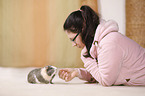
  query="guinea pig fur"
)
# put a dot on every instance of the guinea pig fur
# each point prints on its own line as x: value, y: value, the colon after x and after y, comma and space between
x: 42, y: 75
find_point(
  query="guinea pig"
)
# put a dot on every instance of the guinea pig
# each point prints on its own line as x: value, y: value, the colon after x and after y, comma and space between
x: 42, y: 75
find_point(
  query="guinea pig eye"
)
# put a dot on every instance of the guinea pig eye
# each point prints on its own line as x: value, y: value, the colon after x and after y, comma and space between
x: 50, y: 72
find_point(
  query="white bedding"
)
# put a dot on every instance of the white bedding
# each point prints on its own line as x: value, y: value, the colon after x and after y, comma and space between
x: 13, y: 82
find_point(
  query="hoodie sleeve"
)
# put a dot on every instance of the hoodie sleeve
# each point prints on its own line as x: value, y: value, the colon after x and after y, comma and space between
x: 107, y: 69
x: 85, y: 75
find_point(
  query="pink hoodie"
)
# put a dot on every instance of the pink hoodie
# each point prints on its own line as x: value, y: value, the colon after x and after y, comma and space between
x: 120, y: 59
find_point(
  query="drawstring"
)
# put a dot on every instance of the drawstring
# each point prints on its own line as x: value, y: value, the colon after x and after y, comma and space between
x: 96, y: 43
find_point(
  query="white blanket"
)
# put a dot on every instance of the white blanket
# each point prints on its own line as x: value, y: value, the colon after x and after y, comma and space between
x: 13, y: 82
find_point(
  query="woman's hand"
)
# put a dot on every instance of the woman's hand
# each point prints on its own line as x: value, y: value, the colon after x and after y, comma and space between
x: 68, y: 74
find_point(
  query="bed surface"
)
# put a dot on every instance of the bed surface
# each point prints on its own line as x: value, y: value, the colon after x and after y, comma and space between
x: 13, y: 82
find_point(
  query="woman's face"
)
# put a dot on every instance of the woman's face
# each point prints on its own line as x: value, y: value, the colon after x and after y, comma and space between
x: 78, y: 40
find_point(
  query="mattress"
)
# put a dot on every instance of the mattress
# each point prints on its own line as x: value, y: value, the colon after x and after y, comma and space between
x: 13, y: 82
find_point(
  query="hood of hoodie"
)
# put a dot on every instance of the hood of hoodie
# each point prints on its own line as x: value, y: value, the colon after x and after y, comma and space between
x: 104, y: 28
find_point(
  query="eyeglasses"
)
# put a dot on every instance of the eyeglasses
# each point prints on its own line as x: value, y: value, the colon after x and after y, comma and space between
x: 75, y: 37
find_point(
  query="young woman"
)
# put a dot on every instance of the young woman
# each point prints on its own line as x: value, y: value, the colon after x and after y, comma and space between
x: 109, y: 57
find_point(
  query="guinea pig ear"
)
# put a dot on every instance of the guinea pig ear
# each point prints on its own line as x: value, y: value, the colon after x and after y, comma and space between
x: 49, y: 66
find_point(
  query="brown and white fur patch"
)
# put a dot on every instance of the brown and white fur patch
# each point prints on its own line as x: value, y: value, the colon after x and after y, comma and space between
x: 40, y: 75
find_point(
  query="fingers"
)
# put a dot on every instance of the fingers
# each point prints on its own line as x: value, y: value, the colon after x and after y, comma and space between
x: 68, y: 74
x: 63, y: 74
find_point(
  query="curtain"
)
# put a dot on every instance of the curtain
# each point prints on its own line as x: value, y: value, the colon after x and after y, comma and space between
x: 31, y: 33
x: 135, y: 20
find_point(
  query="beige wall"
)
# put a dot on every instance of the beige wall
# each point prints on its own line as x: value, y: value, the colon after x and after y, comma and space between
x: 31, y: 33
x: 135, y: 20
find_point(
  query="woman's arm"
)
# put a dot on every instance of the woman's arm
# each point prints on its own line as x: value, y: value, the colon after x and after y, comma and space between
x: 85, y: 75
x: 108, y: 67
x: 68, y: 74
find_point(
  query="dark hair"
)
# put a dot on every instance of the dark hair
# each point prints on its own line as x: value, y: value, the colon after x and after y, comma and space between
x: 85, y: 22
